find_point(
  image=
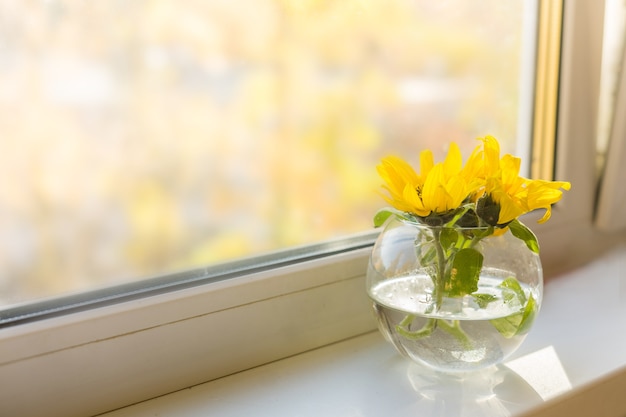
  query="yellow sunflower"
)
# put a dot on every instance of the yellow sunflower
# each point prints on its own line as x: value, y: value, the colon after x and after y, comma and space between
x: 437, y: 189
x: 513, y: 194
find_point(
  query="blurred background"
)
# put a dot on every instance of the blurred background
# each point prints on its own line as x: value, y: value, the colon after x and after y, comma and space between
x: 139, y: 138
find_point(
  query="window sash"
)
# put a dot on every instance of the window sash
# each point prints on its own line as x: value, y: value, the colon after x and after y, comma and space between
x: 151, y: 287
x: 570, y: 238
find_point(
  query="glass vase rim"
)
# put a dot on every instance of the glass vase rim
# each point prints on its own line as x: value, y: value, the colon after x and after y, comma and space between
x: 418, y: 224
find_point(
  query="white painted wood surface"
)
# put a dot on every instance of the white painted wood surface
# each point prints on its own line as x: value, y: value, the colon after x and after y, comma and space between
x: 573, y: 361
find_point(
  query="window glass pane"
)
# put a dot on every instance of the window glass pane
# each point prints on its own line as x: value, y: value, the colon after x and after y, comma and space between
x: 145, y: 137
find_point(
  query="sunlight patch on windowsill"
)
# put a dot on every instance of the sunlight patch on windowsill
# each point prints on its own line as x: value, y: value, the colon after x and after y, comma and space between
x: 543, y: 371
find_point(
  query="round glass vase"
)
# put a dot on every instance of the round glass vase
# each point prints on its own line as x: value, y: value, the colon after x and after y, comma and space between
x: 455, y: 299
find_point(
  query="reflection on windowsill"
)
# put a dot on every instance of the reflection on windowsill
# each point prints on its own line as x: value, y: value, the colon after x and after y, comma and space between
x: 502, y: 390
x: 496, y: 391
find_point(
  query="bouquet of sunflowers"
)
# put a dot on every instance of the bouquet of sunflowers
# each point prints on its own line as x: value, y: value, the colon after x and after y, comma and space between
x: 463, y: 205
x: 487, y: 191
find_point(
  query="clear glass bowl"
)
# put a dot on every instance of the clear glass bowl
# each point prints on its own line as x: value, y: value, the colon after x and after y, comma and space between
x: 454, y: 299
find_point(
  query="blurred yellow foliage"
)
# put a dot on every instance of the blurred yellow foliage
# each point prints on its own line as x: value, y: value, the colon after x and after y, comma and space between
x: 143, y: 137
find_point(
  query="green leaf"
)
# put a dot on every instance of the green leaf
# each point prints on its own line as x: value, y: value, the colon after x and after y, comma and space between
x: 520, y: 231
x: 448, y: 238
x: 382, y: 215
x: 507, y: 326
x: 483, y: 299
x: 515, y: 290
x: 520, y: 322
x: 528, y: 317
x: 463, y: 277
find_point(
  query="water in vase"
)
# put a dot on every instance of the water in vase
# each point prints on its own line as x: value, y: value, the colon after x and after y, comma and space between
x: 464, y: 333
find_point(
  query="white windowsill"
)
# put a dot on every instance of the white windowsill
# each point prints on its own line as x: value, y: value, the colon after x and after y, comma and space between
x: 572, y: 362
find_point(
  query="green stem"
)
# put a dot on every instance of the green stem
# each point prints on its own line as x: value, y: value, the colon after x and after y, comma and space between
x: 454, y: 329
x: 407, y: 321
x: 441, y: 265
x: 488, y: 232
x: 403, y: 328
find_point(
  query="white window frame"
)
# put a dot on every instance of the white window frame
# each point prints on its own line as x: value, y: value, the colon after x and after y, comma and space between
x: 570, y: 238
x: 104, y: 358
